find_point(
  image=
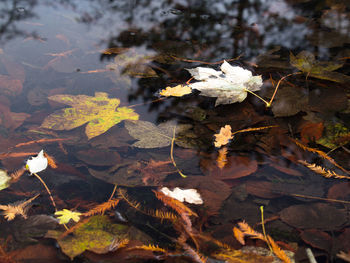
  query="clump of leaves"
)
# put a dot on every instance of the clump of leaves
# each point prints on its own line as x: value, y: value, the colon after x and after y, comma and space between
x: 100, y: 112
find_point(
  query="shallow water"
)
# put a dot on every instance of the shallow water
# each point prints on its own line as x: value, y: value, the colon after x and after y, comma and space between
x: 131, y: 50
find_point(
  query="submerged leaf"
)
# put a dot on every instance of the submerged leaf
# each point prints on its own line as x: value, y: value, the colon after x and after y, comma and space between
x: 152, y: 136
x: 100, y: 112
x: 98, y: 235
x: 229, y: 85
x: 307, y: 63
x: 332, y: 133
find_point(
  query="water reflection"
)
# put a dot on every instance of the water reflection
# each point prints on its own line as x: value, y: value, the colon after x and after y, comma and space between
x: 131, y: 50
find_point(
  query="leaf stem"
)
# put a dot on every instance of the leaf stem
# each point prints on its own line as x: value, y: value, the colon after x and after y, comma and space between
x: 278, y: 84
x: 47, y: 190
x: 263, y: 228
x: 256, y: 95
x: 172, y: 154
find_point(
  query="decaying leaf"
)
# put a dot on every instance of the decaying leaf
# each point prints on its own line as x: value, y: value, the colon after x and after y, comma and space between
x: 98, y: 235
x: 317, y: 215
x: 229, y: 85
x: 129, y: 63
x: 307, y: 63
x: 65, y: 215
x: 177, y: 91
x: 331, y: 133
x: 152, y: 136
x: 223, y: 137
x: 100, y: 112
x: 17, y: 208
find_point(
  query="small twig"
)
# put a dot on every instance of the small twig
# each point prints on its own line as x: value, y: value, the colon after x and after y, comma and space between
x: 113, y: 192
x: 263, y: 228
x: 256, y: 95
x: 47, y: 189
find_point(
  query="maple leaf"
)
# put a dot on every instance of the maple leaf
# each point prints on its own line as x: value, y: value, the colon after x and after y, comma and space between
x: 17, y: 208
x: 100, y: 112
x: 177, y: 91
x: 229, y: 85
x: 223, y: 137
x: 65, y: 215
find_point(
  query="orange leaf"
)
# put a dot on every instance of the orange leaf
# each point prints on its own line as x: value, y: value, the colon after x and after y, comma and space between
x: 311, y: 132
x: 239, y: 235
x: 223, y: 137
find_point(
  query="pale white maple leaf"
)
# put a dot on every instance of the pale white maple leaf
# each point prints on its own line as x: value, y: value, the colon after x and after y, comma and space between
x: 183, y: 195
x: 229, y: 85
x: 37, y: 164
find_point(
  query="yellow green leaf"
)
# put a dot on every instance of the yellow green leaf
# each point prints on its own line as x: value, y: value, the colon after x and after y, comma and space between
x: 98, y: 235
x: 100, y: 112
x: 65, y: 215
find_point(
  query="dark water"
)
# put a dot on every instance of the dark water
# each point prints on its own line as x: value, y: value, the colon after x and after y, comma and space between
x: 133, y: 49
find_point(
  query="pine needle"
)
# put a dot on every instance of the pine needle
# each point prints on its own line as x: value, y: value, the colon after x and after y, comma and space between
x: 17, y: 208
x: 172, y: 154
x: 320, y: 153
x: 322, y: 171
x: 154, y: 213
x: 178, y: 206
x: 101, y: 208
x: 150, y: 247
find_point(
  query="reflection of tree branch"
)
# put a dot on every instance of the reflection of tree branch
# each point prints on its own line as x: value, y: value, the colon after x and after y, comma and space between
x: 13, y: 14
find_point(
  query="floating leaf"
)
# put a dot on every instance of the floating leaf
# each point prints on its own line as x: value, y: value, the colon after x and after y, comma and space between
x: 152, y: 136
x: 38, y: 163
x: 223, y: 137
x: 100, y: 112
x: 96, y: 235
x: 177, y: 91
x: 229, y: 85
x: 307, y: 63
x: 65, y: 215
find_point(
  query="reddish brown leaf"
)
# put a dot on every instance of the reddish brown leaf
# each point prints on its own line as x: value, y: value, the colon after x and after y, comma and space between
x: 311, y: 132
x: 236, y: 167
x: 98, y: 157
x: 317, y: 239
x: 262, y: 189
x: 10, y: 86
x: 339, y: 191
x: 317, y: 215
